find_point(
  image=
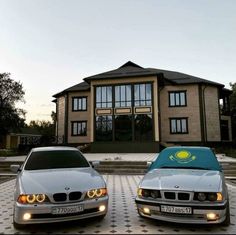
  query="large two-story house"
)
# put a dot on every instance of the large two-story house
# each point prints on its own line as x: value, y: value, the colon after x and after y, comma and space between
x: 136, y: 109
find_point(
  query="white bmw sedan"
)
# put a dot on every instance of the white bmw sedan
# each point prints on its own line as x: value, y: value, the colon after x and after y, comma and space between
x: 57, y: 184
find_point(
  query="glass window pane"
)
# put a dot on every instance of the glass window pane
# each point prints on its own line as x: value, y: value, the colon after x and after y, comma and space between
x: 98, y: 94
x: 172, y: 99
x: 109, y: 93
x: 128, y: 93
x: 117, y: 93
x: 177, y: 99
x: 74, y: 128
x: 104, y: 94
x: 136, y: 92
x: 80, y: 104
x: 178, y: 121
x: 143, y: 127
x: 173, y: 126
x: 84, y: 103
x: 104, y: 128
x: 123, y: 128
x: 142, y: 91
x: 75, y: 103
x: 184, y: 125
x: 122, y: 91
x: 148, y: 92
x: 182, y: 98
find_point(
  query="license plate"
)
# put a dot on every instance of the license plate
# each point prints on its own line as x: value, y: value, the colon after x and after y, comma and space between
x: 176, y: 209
x: 67, y: 210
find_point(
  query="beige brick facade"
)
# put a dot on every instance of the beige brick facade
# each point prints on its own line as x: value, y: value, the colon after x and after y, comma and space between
x: 212, y: 113
x: 61, y: 116
x: 191, y: 111
x: 79, y: 116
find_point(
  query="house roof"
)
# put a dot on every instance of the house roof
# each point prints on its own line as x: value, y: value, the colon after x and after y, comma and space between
x: 83, y: 86
x: 130, y: 69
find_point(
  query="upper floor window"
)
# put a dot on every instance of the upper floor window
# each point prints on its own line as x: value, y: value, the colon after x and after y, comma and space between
x: 79, y: 128
x: 104, y: 97
x: 178, y: 125
x: 79, y: 103
x: 177, y: 98
x: 142, y: 94
x: 123, y: 96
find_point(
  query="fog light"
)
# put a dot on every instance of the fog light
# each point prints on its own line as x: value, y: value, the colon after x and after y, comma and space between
x: 102, y: 208
x: 146, y: 210
x: 212, y: 216
x: 26, y: 216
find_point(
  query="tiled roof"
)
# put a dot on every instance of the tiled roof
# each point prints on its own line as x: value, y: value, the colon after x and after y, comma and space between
x: 130, y: 69
x: 83, y: 86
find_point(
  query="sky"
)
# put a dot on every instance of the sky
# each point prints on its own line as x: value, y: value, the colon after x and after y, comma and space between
x: 50, y: 45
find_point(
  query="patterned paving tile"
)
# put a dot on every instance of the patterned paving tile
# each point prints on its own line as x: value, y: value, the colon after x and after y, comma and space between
x: 122, y: 217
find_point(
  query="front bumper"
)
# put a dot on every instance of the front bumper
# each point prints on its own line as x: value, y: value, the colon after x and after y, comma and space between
x: 43, y: 213
x: 198, y: 215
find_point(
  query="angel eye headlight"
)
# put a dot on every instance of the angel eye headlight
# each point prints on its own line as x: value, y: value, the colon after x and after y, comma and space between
x: 31, y: 198
x: 91, y: 193
x: 40, y: 198
x: 98, y: 192
x: 201, y: 196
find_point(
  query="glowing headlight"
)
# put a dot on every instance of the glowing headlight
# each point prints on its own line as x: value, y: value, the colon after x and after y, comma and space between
x: 32, y: 198
x: 219, y: 197
x: 95, y: 193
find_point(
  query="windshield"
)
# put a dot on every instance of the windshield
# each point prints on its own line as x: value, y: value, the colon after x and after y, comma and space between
x: 187, y: 158
x: 55, y: 159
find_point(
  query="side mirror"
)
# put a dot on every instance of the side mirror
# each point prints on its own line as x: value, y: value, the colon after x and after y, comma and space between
x: 15, y: 168
x: 95, y: 164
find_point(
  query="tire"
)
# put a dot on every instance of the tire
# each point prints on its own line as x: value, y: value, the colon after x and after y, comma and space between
x: 226, y: 222
x: 18, y: 226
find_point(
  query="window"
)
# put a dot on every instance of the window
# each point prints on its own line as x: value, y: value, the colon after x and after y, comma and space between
x: 123, y: 128
x: 79, y: 103
x: 143, y: 127
x: 79, y: 128
x: 123, y: 96
x: 142, y: 94
x: 104, y: 97
x: 177, y: 98
x: 178, y: 125
x: 104, y: 128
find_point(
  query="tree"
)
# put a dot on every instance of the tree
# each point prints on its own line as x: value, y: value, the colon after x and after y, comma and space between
x: 11, y: 118
x: 232, y: 100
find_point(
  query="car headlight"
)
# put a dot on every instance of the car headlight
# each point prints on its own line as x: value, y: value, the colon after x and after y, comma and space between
x: 149, y: 193
x: 208, y: 196
x: 96, y: 193
x: 32, y: 198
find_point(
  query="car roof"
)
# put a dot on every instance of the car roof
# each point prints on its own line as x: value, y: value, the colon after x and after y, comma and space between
x: 54, y: 148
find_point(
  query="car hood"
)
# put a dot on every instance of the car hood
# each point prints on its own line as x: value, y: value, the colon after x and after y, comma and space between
x: 183, y: 179
x: 56, y: 180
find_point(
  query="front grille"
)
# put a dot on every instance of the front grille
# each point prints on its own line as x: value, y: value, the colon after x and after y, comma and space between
x: 73, y: 196
x: 62, y: 197
x: 170, y: 195
x: 59, y: 197
x: 183, y: 196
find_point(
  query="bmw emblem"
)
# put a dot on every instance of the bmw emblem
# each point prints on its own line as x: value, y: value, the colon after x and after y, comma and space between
x: 176, y: 186
x: 67, y: 188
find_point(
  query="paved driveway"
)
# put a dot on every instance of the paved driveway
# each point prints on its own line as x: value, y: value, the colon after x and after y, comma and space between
x: 122, y: 217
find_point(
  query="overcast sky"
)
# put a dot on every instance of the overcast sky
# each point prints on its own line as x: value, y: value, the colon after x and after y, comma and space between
x: 50, y: 45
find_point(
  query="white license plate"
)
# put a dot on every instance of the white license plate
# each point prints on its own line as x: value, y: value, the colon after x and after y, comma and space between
x: 67, y: 210
x: 176, y: 209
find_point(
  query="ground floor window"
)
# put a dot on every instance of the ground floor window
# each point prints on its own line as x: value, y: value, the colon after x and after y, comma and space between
x: 79, y: 128
x: 103, y: 128
x: 178, y: 125
x: 143, y: 127
x: 123, y: 128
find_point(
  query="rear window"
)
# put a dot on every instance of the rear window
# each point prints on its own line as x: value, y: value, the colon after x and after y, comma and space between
x: 55, y: 159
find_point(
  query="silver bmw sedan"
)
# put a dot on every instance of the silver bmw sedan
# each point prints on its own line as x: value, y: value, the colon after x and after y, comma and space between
x: 57, y: 184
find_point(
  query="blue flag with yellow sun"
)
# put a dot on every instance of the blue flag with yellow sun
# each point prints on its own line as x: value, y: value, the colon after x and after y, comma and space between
x: 187, y: 157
